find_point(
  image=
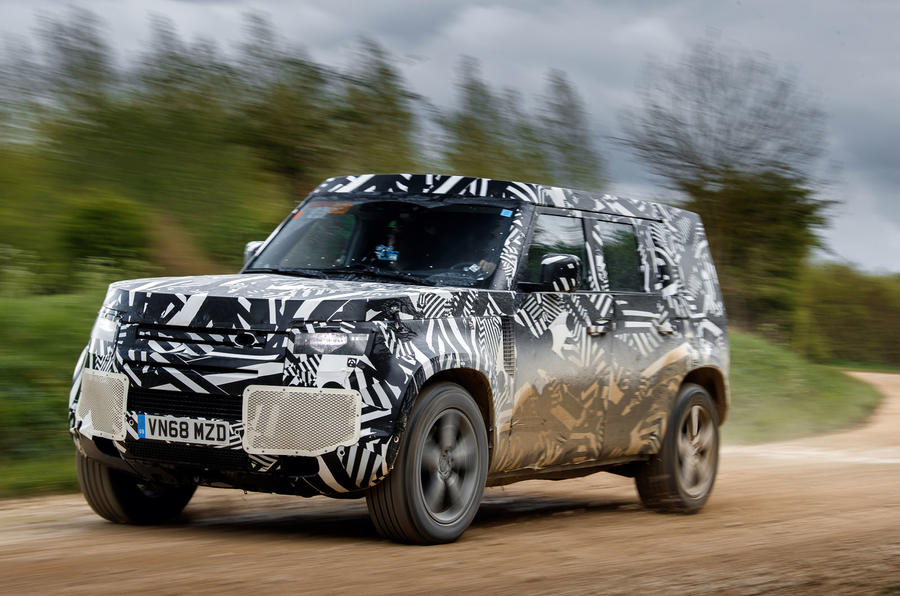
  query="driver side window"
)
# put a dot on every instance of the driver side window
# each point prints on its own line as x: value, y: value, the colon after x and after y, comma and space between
x: 556, y: 234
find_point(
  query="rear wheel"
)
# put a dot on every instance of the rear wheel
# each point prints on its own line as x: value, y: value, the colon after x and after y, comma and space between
x: 435, y: 488
x: 122, y: 498
x: 680, y: 477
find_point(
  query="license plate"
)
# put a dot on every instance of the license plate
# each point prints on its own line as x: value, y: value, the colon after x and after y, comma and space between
x: 182, y: 430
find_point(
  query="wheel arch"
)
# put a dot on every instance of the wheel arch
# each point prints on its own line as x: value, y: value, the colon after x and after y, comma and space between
x: 713, y: 379
x: 479, y: 387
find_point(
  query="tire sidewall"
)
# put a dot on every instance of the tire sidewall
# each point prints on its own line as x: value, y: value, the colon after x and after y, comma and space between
x: 119, y: 497
x: 434, y: 401
x: 148, y: 506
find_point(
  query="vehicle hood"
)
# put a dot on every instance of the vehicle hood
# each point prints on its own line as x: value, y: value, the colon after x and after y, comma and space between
x: 269, y: 301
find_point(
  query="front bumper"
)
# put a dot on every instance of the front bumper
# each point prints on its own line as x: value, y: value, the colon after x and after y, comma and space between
x: 279, y: 439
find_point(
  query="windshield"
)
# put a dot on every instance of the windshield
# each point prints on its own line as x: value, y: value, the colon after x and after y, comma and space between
x: 419, y: 241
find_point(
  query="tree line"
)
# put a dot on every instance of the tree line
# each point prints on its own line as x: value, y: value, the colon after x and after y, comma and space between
x: 212, y: 146
x: 169, y: 161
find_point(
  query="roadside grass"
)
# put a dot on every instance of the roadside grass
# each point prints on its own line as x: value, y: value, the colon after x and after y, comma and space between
x: 55, y: 473
x: 866, y: 367
x: 775, y: 393
x: 40, y: 340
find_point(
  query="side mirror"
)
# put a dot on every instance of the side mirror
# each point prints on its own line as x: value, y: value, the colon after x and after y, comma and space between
x: 250, y: 250
x: 561, y: 272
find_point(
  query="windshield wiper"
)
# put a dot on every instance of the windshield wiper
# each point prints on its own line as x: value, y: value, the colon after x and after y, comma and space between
x: 297, y: 271
x: 374, y: 271
x: 353, y: 270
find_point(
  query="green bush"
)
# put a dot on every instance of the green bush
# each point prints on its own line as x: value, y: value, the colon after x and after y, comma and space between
x: 777, y: 394
x: 18, y: 272
x: 104, y: 226
x: 848, y: 316
x: 42, y: 337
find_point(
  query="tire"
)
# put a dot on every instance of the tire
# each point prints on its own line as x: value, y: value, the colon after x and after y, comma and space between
x: 435, y: 488
x: 121, y: 498
x: 680, y: 477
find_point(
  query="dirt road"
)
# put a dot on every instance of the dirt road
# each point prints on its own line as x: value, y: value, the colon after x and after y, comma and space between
x: 819, y: 515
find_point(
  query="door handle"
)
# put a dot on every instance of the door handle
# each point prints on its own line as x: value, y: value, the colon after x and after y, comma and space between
x: 599, y: 327
x: 665, y: 328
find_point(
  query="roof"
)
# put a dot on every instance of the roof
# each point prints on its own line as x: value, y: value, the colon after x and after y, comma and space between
x: 468, y: 186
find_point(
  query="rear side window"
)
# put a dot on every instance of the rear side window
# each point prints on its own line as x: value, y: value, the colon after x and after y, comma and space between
x: 556, y: 234
x: 620, y: 253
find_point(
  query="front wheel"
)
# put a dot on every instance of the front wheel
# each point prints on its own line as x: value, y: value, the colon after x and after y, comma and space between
x: 122, y: 498
x: 434, y: 490
x: 680, y: 477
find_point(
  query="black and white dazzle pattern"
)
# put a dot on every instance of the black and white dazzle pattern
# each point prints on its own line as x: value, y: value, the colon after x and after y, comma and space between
x: 566, y: 397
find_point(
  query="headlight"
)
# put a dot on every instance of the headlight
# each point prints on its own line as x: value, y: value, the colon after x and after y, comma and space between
x: 105, y: 329
x: 331, y: 343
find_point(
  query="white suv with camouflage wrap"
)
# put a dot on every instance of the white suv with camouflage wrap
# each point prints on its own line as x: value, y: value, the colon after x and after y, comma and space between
x: 412, y: 339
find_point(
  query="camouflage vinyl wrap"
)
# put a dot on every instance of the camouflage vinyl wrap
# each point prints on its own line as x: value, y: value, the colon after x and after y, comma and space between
x: 560, y: 393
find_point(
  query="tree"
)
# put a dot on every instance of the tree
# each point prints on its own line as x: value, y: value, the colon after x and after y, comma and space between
x: 179, y: 76
x: 736, y: 134
x: 287, y: 116
x: 566, y: 131
x: 376, y: 116
x: 475, y: 141
x: 529, y: 158
x: 491, y: 134
x: 19, y: 91
x: 722, y: 111
x: 79, y: 70
x: 762, y: 227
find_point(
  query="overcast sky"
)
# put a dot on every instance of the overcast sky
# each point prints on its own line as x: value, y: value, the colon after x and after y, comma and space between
x: 846, y: 52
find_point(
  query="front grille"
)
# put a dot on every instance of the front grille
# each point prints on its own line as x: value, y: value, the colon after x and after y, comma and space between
x: 186, y: 405
x: 208, y: 336
x: 226, y: 360
x: 212, y: 457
